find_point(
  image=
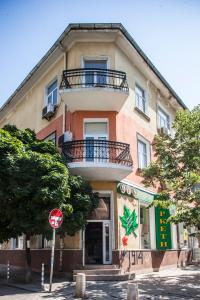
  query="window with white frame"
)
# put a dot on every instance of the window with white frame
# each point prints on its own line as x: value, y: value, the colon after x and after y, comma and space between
x: 44, y: 243
x: 18, y: 243
x: 52, y: 93
x: 163, y: 119
x: 95, y: 76
x: 144, y: 228
x: 51, y: 137
x: 140, y: 99
x: 143, y: 152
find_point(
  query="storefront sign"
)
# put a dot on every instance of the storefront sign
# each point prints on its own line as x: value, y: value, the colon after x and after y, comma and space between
x: 134, y: 193
x: 129, y: 221
x: 125, y: 189
x: 163, y: 229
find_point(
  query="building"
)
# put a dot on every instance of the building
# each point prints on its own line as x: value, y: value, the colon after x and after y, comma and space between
x: 99, y: 98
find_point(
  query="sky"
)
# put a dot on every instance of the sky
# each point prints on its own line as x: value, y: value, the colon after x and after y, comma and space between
x: 168, y: 31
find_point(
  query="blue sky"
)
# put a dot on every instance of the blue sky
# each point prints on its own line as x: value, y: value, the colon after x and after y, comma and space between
x: 167, y: 30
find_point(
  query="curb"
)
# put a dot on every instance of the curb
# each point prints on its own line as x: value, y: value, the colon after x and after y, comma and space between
x: 29, y: 289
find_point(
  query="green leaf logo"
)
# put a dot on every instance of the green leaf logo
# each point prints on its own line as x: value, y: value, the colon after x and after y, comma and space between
x: 129, y: 221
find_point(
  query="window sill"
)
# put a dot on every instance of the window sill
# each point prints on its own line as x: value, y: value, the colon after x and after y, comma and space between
x: 142, y: 113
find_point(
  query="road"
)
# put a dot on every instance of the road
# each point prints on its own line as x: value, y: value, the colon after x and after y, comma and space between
x: 174, y: 284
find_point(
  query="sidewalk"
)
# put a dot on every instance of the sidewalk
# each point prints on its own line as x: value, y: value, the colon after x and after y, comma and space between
x: 173, y: 284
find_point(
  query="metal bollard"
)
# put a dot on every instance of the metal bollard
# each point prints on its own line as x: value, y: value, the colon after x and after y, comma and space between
x: 8, y: 270
x: 42, y: 276
x: 61, y: 259
x: 80, y: 285
x: 132, y: 291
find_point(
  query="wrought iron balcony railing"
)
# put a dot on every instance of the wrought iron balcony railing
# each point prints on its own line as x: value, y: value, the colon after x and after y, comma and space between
x: 91, y: 78
x: 97, y: 151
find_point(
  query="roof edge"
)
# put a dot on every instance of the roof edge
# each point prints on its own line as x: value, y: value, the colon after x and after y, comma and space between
x: 95, y: 26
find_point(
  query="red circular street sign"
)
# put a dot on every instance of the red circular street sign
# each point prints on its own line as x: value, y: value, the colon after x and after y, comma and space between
x: 55, y: 218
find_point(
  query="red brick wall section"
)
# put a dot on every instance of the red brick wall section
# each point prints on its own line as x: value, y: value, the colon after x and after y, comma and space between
x: 53, y: 126
x: 15, y: 257
x: 149, y: 260
x: 77, y: 120
x: 72, y: 259
x: 137, y: 261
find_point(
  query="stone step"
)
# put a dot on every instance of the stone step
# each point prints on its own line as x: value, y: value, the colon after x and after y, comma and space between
x: 92, y: 267
x: 98, y: 271
x: 107, y: 277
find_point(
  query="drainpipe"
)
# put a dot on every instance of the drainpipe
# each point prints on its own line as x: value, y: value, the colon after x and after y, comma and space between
x: 64, y: 118
x: 65, y: 54
x: 139, y: 231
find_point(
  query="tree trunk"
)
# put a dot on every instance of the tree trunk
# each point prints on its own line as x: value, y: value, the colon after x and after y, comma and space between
x: 198, y: 239
x: 28, y: 276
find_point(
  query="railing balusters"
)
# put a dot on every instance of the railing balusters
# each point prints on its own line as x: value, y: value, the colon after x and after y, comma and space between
x: 97, y: 151
x: 87, y: 78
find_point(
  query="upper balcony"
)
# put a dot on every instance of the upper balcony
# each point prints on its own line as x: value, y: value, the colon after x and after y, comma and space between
x: 98, y: 159
x: 94, y: 89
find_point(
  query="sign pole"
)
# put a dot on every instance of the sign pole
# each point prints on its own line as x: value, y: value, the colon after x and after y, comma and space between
x: 52, y: 258
x: 55, y: 220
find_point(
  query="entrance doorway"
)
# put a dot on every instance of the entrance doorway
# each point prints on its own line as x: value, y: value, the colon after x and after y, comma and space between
x: 94, y: 243
x: 98, y: 243
x: 97, y: 238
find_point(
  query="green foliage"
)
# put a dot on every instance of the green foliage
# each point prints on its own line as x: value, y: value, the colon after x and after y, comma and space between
x: 176, y: 170
x: 83, y: 201
x: 129, y: 221
x: 34, y: 179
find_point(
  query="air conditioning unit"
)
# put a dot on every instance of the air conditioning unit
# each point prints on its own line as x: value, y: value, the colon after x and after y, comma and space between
x: 48, y: 111
x: 164, y: 130
x: 65, y: 137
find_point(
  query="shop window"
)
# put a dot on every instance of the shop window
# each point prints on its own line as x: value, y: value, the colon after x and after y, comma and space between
x: 183, y: 236
x: 144, y: 228
x: 102, y: 212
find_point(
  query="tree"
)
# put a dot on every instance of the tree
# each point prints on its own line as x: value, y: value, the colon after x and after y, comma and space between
x: 176, y: 169
x: 34, y: 179
x: 83, y: 201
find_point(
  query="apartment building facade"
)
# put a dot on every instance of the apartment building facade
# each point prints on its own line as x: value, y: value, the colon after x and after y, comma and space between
x: 98, y: 97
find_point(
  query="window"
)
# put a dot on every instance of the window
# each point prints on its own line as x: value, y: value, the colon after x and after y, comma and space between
x: 143, y: 152
x: 96, y: 131
x: 51, y: 137
x: 102, y: 212
x: 18, y: 242
x: 52, y: 93
x: 95, y: 77
x: 144, y: 228
x: 163, y: 119
x: 140, y: 99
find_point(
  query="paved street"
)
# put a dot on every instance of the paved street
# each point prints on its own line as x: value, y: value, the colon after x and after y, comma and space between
x: 174, y: 284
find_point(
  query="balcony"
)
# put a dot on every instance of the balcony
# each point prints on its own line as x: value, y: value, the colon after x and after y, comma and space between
x: 94, y: 89
x: 98, y: 159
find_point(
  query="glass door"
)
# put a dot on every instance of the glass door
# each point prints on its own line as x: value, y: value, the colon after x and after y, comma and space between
x: 95, y: 77
x: 94, y: 151
x: 107, y: 251
x: 97, y: 237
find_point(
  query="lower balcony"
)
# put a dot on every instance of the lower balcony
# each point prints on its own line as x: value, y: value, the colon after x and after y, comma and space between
x: 98, y: 159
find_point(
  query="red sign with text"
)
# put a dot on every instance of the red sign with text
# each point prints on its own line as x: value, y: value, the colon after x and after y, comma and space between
x: 55, y: 218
